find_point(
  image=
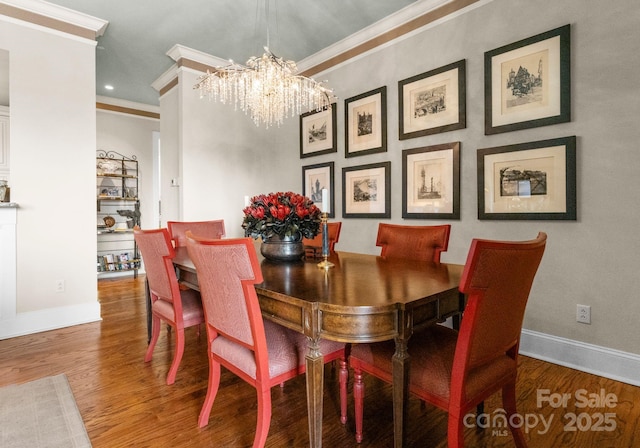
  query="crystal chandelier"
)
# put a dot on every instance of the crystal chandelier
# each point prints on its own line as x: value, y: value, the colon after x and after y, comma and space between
x: 267, y: 88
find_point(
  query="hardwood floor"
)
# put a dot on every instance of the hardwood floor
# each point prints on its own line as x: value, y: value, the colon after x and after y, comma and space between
x: 125, y: 402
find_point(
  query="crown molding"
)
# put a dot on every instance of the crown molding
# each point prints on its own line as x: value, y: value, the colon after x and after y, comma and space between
x: 400, y: 25
x: 127, y: 107
x: 166, y: 78
x: 52, y: 16
x: 186, y: 58
x: 178, y: 52
x: 374, y: 30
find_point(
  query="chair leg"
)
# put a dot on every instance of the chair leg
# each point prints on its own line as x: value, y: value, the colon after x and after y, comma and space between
x: 264, y: 416
x: 455, y: 431
x: 177, y: 357
x: 358, y: 398
x: 212, y: 390
x: 344, y: 378
x: 509, y: 403
x: 479, y: 412
x: 155, y: 334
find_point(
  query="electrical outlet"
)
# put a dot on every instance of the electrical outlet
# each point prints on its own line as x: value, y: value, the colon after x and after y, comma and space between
x: 59, y: 285
x: 583, y: 314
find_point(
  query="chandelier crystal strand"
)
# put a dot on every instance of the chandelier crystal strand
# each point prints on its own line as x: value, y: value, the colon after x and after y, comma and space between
x: 267, y: 89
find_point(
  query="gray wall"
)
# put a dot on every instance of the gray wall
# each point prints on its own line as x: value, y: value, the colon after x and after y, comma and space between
x: 593, y: 260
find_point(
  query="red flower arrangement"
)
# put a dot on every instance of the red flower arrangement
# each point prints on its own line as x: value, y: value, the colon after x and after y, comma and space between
x: 285, y: 214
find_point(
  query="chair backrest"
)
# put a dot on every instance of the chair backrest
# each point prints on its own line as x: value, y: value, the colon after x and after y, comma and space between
x: 334, y: 236
x: 420, y: 243
x: 497, y: 279
x: 227, y: 270
x: 157, y: 255
x: 213, y: 229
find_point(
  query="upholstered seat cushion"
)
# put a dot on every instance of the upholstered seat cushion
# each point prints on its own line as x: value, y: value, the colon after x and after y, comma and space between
x: 283, y: 355
x: 287, y: 350
x: 432, y: 352
x: 191, y: 308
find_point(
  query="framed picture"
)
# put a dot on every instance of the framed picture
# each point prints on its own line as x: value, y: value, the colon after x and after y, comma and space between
x: 433, y: 102
x: 314, y: 179
x: 527, y: 83
x: 366, y: 191
x: 318, y: 132
x: 366, y: 123
x: 431, y: 182
x: 534, y: 180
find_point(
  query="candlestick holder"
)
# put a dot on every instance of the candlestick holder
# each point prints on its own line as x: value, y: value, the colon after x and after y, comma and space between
x: 325, y: 263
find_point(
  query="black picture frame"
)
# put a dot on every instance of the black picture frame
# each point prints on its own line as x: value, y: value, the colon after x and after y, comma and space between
x: 431, y: 182
x: 433, y: 102
x: 528, y: 82
x: 528, y: 181
x: 358, y: 203
x: 314, y: 179
x: 365, y: 124
x: 318, y: 132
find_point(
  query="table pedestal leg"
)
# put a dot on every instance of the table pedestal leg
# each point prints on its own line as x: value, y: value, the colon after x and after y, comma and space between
x: 400, y: 372
x: 315, y: 389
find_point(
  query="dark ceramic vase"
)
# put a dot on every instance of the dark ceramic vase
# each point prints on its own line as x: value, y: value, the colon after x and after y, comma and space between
x: 287, y: 248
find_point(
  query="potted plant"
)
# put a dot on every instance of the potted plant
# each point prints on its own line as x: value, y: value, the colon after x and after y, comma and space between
x: 282, y: 219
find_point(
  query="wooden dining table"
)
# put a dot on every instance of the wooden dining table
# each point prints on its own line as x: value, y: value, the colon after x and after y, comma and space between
x: 362, y: 298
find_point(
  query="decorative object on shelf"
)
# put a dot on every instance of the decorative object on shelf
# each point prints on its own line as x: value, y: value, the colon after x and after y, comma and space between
x: 132, y: 215
x: 267, y: 88
x: 104, y: 166
x: 109, y: 221
x: 281, y: 220
x: 3, y: 190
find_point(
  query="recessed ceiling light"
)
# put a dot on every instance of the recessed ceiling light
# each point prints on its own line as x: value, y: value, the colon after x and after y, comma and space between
x: 108, y: 87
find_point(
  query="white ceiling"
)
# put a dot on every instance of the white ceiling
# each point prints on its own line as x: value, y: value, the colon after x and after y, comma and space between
x: 132, y: 52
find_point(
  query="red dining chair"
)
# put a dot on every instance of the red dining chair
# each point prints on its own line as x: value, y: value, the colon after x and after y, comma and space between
x: 420, y: 243
x: 259, y: 351
x: 316, y: 243
x: 207, y: 229
x: 179, y: 309
x: 457, y: 370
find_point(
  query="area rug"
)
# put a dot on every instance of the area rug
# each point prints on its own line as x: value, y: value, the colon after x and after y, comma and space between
x: 41, y: 414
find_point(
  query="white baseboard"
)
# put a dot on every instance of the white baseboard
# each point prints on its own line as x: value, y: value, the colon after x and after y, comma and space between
x: 49, y: 319
x: 609, y: 363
